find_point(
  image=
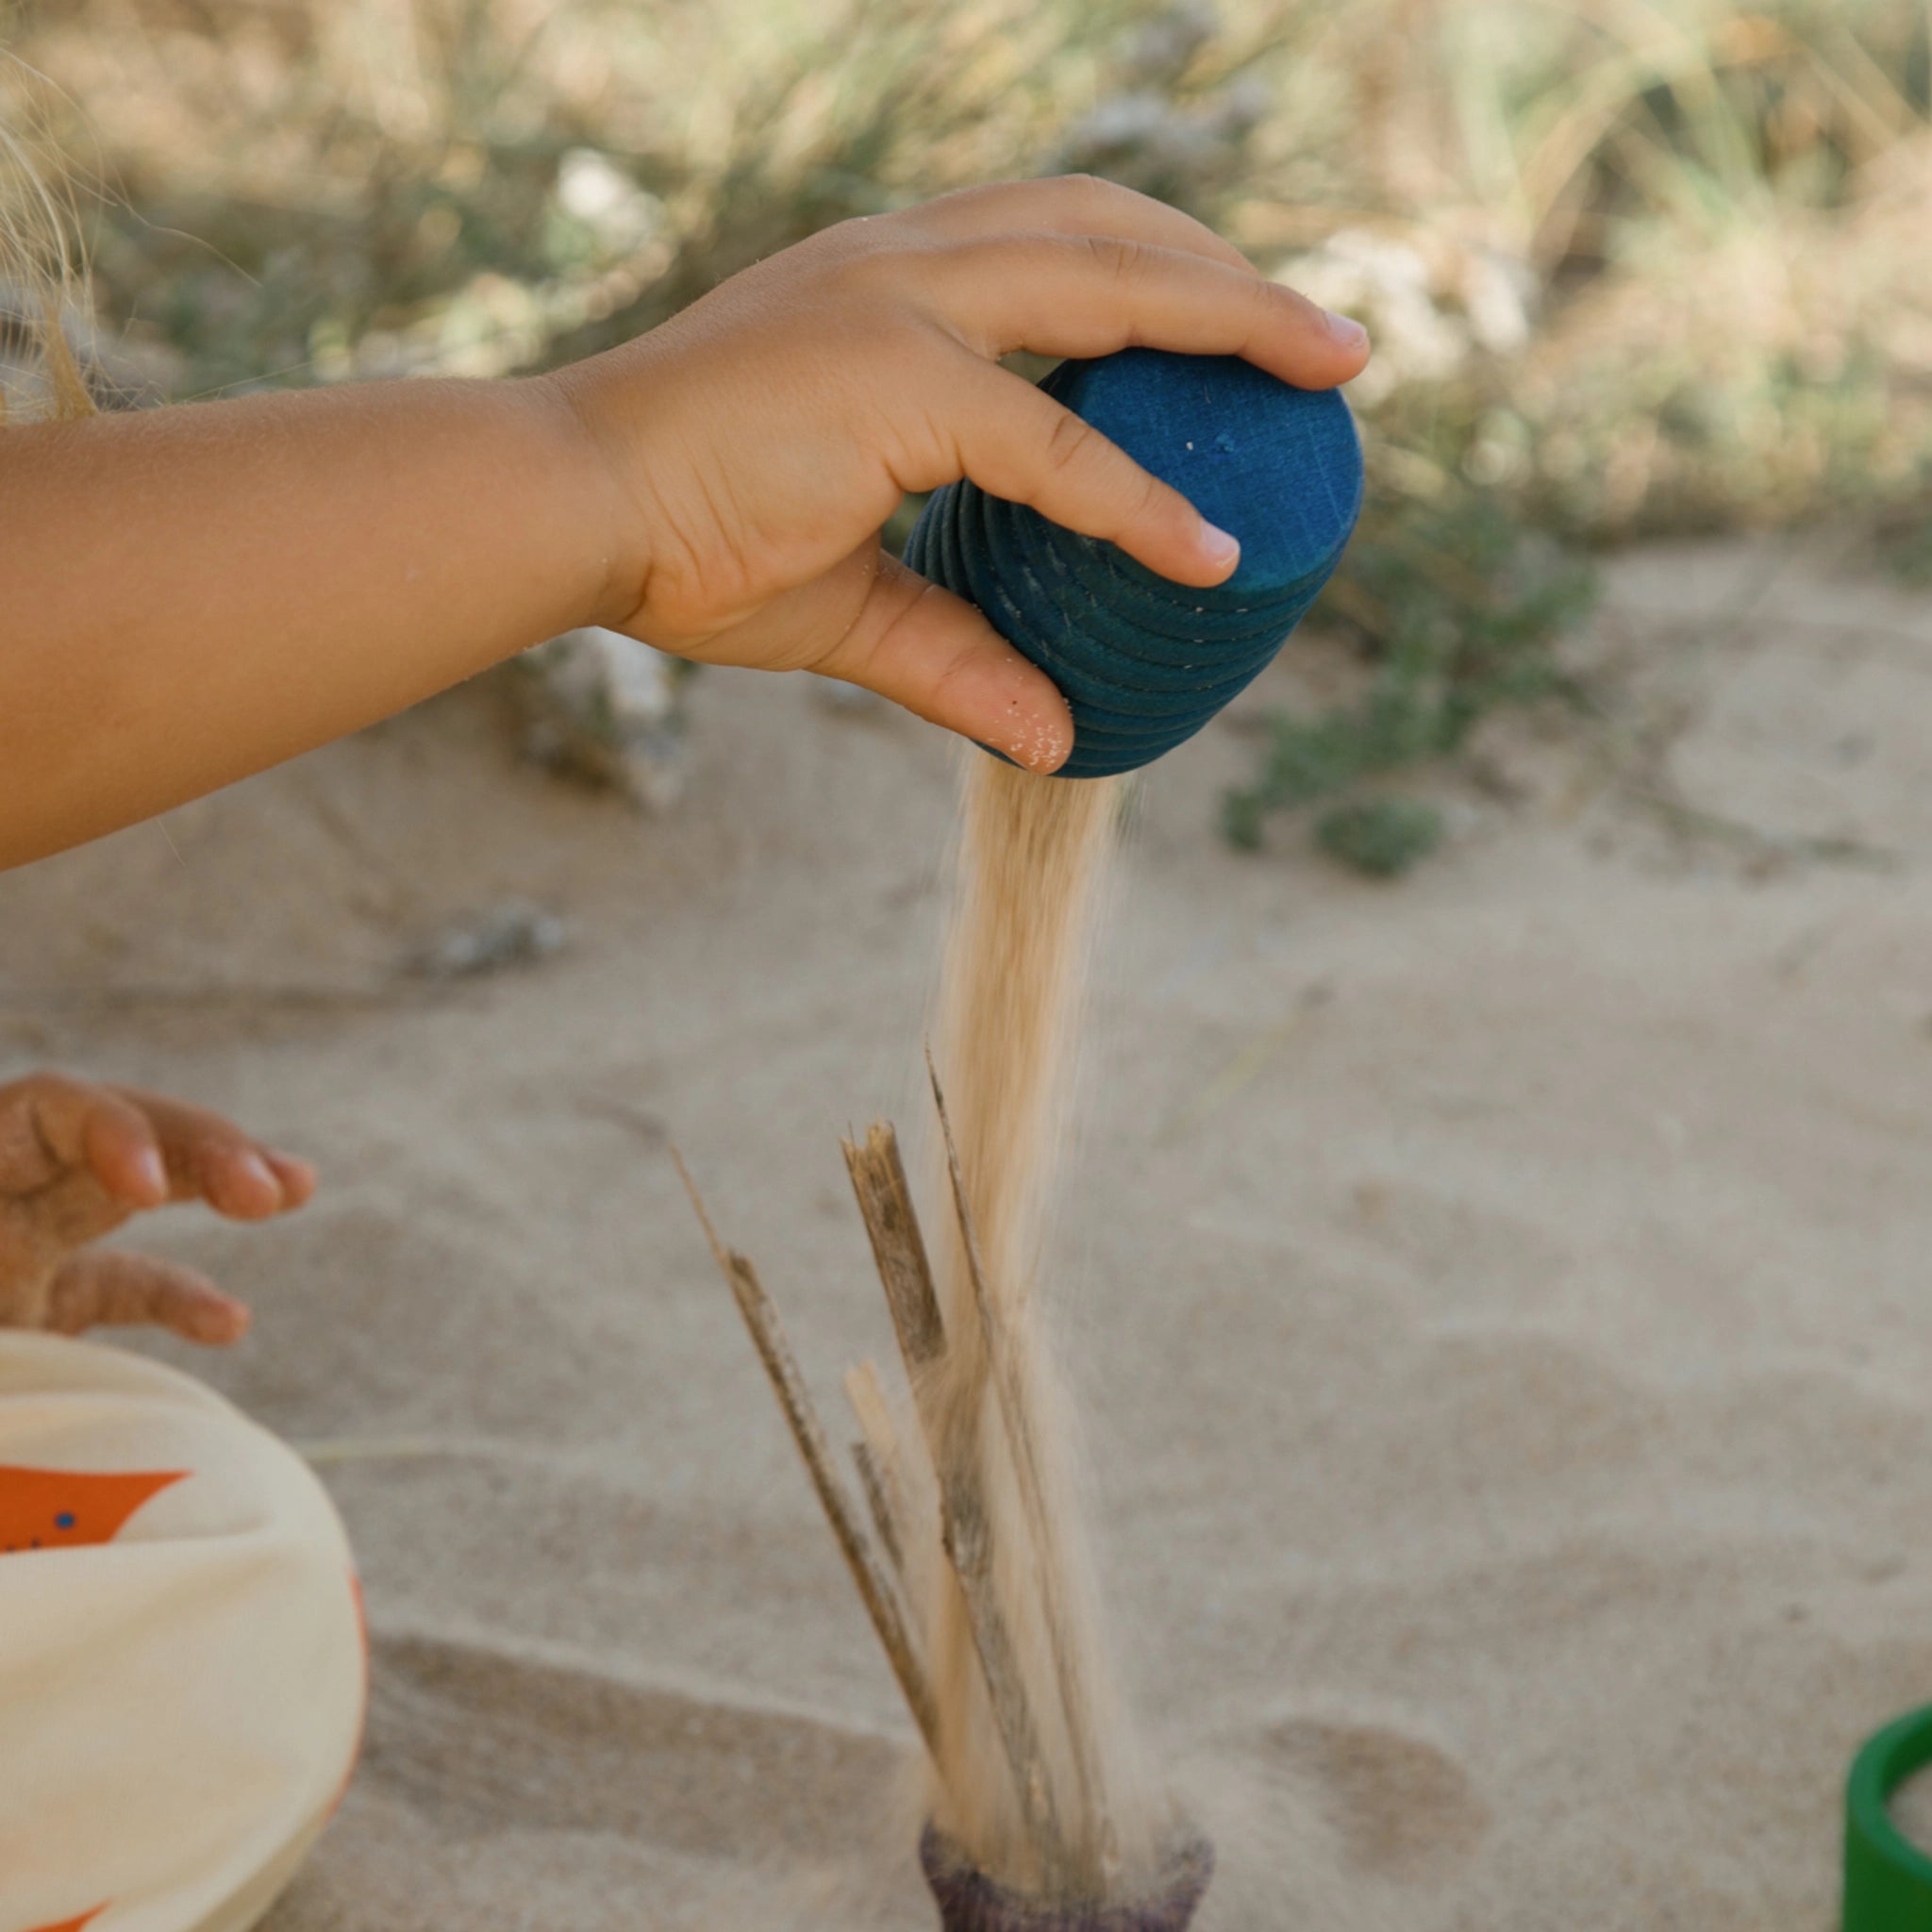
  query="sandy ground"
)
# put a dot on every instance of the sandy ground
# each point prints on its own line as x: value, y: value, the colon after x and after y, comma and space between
x: 1500, y: 1299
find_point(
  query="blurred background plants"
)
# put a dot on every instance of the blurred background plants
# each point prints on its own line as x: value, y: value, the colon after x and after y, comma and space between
x: 1633, y: 266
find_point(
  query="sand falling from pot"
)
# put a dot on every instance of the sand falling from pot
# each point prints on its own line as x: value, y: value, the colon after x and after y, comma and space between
x: 969, y: 1548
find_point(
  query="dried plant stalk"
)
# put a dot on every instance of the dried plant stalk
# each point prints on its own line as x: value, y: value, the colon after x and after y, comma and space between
x: 875, y: 1585
x: 885, y: 1201
x: 878, y: 1501
x: 880, y: 1461
x: 1016, y: 1413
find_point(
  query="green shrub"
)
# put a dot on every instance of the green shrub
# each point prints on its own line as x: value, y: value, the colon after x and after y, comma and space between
x: 1459, y: 612
x: 1381, y: 837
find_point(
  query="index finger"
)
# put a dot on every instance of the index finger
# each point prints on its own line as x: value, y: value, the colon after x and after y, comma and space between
x: 210, y: 1159
x: 1074, y: 205
x: 1087, y: 295
x: 1017, y: 443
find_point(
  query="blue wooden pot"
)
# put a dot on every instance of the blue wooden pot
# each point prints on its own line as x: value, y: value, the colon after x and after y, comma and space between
x: 1145, y: 662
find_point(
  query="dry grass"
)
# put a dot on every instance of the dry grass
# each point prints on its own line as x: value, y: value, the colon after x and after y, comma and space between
x: 1632, y: 265
x: 1641, y: 264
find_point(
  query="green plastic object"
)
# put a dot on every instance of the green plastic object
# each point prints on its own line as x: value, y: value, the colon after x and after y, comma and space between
x: 1888, y: 1878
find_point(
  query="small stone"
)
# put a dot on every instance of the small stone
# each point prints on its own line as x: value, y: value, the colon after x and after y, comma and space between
x: 514, y: 932
x: 604, y: 708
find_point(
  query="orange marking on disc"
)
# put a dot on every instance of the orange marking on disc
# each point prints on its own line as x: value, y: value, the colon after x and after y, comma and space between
x: 64, y: 1509
x: 80, y: 1924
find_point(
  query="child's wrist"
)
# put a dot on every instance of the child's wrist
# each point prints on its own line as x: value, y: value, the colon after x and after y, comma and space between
x: 616, y: 541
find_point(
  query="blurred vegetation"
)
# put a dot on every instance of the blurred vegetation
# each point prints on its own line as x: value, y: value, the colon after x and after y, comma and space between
x: 1632, y: 266
x: 1381, y: 837
x: 1457, y: 609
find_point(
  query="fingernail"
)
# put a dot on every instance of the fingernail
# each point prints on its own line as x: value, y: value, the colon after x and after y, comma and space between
x: 297, y: 1170
x: 258, y: 1169
x: 216, y: 1321
x: 1345, y: 329
x: 1217, y: 546
x: 152, y: 1173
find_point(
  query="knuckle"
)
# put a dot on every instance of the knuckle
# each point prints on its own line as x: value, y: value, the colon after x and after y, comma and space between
x: 1276, y: 302
x: 1068, y: 441
x: 867, y: 253
x: 948, y: 678
x: 1119, y: 256
x: 922, y: 215
x: 857, y: 235
x: 849, y: 272
x: 1270, y: 304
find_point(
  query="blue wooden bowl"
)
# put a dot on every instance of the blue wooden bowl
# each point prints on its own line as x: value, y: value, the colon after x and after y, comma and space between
x: 1145, y: 662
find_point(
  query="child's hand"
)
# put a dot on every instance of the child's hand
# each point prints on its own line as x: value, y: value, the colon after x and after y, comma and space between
x: 324, y: 558
x: 758, y: 441
x: 78, y: 1160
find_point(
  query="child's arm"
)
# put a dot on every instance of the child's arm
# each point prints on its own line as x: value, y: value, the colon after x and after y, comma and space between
x: 188, y: 595
x: 76, y: 1161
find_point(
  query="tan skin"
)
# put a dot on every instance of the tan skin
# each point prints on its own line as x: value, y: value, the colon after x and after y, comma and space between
x: 77, y: 1160
x: 193, y: 594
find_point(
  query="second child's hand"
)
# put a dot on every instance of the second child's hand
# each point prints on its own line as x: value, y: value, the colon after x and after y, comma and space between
x: 78, y: 1159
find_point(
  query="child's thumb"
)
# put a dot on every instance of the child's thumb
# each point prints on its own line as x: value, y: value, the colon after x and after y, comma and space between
x: 935, y: 654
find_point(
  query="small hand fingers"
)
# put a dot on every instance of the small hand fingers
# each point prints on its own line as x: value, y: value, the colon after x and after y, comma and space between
x: 211, y: 1158
x: 1014, y: 440
x: 297, y: 1178
x: 125, y: 1151
x: 238, y: 1181
x: 69, y: 1212
x: 52, y: 1125
x: 108, y: 1287
x: 936, y: 654
x: 1073, y: 204
x: 1090, y: 294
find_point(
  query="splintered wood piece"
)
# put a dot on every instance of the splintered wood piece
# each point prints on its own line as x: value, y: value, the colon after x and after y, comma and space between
x: 1016, y: 1413
x: 879, y: 1502
x: 875, y: 1586
x: 879, y: 1460
x: 967, y: 1538
x: 885, y: 1201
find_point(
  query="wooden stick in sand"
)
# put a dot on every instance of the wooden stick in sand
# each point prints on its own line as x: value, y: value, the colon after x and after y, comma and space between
x: 885, y: 1201
x: 875, y: 1586
x: 879, y: 1460
x: 1016, y: 1413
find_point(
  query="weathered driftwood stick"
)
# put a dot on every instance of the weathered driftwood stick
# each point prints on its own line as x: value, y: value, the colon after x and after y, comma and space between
x: 967, y: 1538
x: 880, y: 1461
x: 885, y: 1200
x: 875, y: 1586
x: 1016, y: 1413
x: 879, y: 1503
